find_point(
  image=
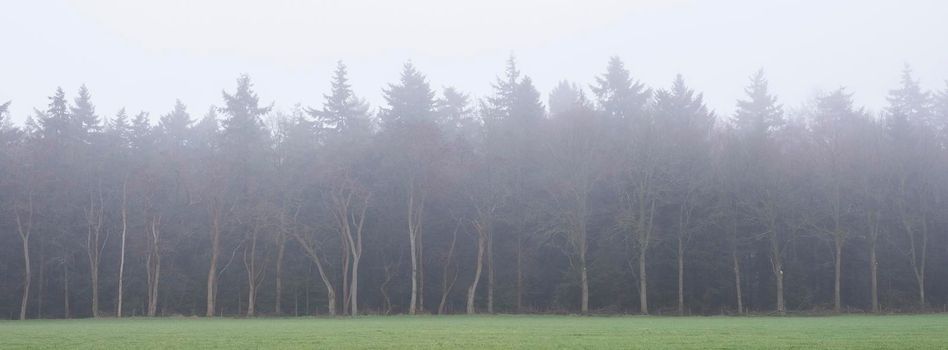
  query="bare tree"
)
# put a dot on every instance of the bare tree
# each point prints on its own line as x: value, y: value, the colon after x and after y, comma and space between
x: 24, y: 227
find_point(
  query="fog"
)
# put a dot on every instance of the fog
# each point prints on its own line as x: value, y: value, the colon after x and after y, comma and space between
x: 143, y: 55
x: 225, y: 158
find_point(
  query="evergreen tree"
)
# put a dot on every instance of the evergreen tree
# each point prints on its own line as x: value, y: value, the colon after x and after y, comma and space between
x: 174, y: 125
x: 453, y: 109
x: 120, y: 129
x: 243, y: 124
x: 500, y: 104
x: 564, y: 97
x: 83, y: 112
x: 341, y: 109
x: 618, y: 94
x: 410, y: 102
x: 55, y: 122
x: 909, y: 106
x: 759, y: 114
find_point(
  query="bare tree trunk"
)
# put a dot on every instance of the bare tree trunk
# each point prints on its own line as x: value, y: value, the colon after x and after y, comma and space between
x: 250, y: 265
x: 583, y: 281
x: 66, y: 313
x: 121, y: 274
x: 42, y: 282
x: 490, y: 272
x: 777, y: 265
x: 643, y: 284
x: 838, y: 263
x: 346, y: 259
x: 874, y: 275
x: 873, y: 225
x: 94, y: 246
x: 153, y: 265
x: 415, y: 210
x: 281, y: 248
x: 215, y: 253
x: 383, y: 289
x: 356, y: 246
x: 448, y: 283
x: 481, y: 243
x: 327, y: 282
x: 421, y: 268
x: 681, y: 277
x: 643, y: 238
x: 25, y: 229
x: 414, y: 255
x: 737, y: 281
x: 330, y: 291
x: 342, y: 202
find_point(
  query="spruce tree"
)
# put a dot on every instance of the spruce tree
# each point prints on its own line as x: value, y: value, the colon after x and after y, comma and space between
x: 618, y: 94
x: 342, y: 109
x: 410, y: 102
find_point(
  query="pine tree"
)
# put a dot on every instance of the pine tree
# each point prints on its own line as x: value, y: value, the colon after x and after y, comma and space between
x: 120, y: 129
x: 141, y: 131
x: 83, y: 112
x: 176, y: 123
x: 410, y: 102
x: 498, y: 106
x: 453, y: 108
x: 54, y: 123
x: 909, y: 106
x: 341, y: 109
x: 243, y: 124
x: 526, y: 106
x: 618, y: 94
x: 564, y: 98
x: 759, y: 114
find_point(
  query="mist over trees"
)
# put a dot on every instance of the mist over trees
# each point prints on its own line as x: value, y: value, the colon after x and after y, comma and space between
x: 612, y: 197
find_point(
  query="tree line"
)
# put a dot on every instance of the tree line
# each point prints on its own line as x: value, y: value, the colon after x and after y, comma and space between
x: 622, y: 199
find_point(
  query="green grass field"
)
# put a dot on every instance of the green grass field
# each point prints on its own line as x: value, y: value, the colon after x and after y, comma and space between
x: 484, y: 332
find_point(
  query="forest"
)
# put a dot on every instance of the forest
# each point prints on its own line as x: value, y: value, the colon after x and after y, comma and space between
x: 607, y: 198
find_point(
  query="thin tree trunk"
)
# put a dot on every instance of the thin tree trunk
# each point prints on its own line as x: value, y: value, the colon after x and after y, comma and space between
x: 777, y: 265
x: 415, y: 210
x: 250, y: 264
x: 737, y: 281
x: 421, y: 268
x: 447, y: 285
x: 490, y: 272
x: 583, y: 281
x: 153, y: 265
x: 25, y: 230
x: 838, y: 262
x: 42, y: 281
x: 121, y: 273
x: 472, y: 290
x: 215, y: 253
x: 643, y: 284
x: 327, y: 281
x: 874, y: 275
x: 681, y: 276
x: 383, y: 289
x: 281, y: 248
x: 346, y: 259
x: 330, y: 291
x: 66, y: 313
x: 93, y: 249
x: 643, y: 236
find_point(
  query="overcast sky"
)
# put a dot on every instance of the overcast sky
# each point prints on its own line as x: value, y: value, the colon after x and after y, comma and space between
x: 144, y: 54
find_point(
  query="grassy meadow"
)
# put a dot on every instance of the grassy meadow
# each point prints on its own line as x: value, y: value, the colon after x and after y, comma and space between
x: 484, y: 332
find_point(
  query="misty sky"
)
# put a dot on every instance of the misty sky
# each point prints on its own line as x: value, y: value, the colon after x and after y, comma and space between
x: 144, y: 54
